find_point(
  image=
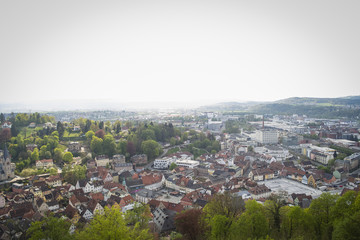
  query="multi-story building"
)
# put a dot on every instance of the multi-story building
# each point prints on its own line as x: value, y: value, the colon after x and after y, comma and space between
x: 352, y: 161
x: 319, y: 154
x: 140, y: 159
x: 187, y: 163
x: 163, y: 163
x: 267, y: 136
x: 102, y: 161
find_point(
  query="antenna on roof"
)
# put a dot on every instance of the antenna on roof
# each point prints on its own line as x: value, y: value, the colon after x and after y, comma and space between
x: 263, y: 123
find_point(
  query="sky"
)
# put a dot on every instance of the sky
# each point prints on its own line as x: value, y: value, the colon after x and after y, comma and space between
x: 183, y: 51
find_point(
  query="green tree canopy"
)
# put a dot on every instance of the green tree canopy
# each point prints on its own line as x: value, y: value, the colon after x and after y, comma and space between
x: 67, y: 157
x: 151, y: 148
x: 96, y: 145
x: 109, y: 145
x: 51, y: 228
x: 112, y: 225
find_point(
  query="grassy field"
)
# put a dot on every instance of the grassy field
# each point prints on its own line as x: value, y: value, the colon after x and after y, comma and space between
x: 73, y: 134
x: 27, y: 132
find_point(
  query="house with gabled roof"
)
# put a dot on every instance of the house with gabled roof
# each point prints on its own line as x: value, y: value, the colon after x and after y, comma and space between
x: 87, y: 214
x: 53, y: 206
x: 126, y: 201
x: 260, y: 191
x: 41, y: 206
x: 54, y: 181
x: 95, y: 207
x: 72, y: 214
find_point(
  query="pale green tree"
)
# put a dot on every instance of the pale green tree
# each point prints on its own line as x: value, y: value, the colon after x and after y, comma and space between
x: 112, y: 225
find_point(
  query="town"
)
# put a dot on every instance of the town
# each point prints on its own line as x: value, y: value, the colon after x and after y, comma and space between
x: 74, y: 167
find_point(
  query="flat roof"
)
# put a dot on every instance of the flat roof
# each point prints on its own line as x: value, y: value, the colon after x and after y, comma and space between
x: 290, y: 186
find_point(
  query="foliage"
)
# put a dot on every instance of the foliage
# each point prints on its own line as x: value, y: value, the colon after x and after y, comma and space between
x: 232, y: 126
x: 96, y: 145
x: 151, y: 148
x: 67, y: 157
x: 27, y: 172
x: 100, y: 133
x: 311, y: 136
x: 73, y: 174
x: 344, y: 150
x: 275, y: 215
x: 223, y: 210
x: 309, y: 110
x: 50, y: 228
x: 109, y: 145
x: 113, y: 225
x: 58, y: 155
x: 322, y: 211
x: 139, y: 214
x: 252, y: 224
x: 172, y: 166
x: 189, y: 224
x: 5, y: 135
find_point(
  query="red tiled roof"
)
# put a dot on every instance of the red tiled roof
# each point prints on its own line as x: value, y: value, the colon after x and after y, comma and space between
x: 151, y: 179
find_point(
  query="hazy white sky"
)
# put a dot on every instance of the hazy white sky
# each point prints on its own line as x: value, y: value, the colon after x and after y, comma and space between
x: 184, y: 50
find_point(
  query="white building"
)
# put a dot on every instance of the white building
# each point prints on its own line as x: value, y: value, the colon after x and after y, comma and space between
x: 267, y: 136
x: 187, y: 163
x: 164, y: 163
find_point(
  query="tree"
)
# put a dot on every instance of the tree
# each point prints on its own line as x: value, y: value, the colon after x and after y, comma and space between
x: 42, y: 151
x: 148, y: 134
x: 172, y: 166
x: 100, y: 133
x: 140, y: 214
x: 130, y: 148
x: 112, y: 225
x: 2, y: 118
x: 109, y: 145
x: 347, y: 216
x: 96, y: 145
x: 67, y: 157
x: 272, y: 207
x: 298, y: 223
x: 172, y: 141
x: 60, y: 128
x: 58, y: 155
x: 121, y: 147
x: 5, y: 135
x: 252, y: 224
x: 189, y: 224
x: 50, y: 228
x: 322, y: 211
x: 221, y: 212
x: 35, y: 155
x: 73, y: 174
x: 101, y: 125
x: 14, y: 131
x: 118, y: 127
x: 89, y: 135
x: 151, y: 148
